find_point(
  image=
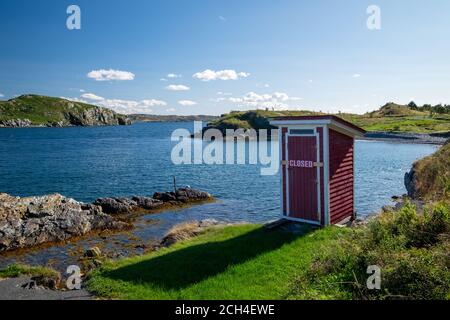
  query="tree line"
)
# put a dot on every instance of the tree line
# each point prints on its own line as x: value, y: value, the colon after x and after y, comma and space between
x: 437, y: 109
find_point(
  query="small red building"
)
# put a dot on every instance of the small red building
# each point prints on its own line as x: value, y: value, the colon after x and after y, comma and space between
x: 317, y: 168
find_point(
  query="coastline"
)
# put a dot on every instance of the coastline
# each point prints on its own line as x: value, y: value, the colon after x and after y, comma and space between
x: 438, y: 138
x: 416, y: 138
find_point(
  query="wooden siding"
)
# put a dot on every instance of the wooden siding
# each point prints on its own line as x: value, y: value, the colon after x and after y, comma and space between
x: 341, y: 176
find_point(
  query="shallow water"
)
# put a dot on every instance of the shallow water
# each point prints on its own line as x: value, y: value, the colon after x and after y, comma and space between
x: 88, y: 163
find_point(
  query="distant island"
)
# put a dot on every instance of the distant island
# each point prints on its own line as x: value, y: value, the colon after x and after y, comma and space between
x: 169, y: 118
x: 42, y: 111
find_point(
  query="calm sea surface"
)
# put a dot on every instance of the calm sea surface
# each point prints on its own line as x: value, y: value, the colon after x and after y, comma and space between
x: 88, y: 163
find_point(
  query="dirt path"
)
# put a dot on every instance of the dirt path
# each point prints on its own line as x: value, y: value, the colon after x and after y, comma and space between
x: 11, y: 289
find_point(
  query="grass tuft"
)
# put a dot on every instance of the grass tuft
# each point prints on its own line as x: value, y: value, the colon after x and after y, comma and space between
x: 18, y: 270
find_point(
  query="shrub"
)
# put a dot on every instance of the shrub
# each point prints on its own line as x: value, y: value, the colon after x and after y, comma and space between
x: 411, y: 250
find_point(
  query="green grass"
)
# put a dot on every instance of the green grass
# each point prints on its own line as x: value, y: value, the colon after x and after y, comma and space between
x: 236, y: 262
x: 249, y: 262
x: 408, y: 124
x: 17, y: 270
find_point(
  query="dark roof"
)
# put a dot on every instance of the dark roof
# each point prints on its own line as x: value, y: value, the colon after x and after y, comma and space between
x: 326, y: 117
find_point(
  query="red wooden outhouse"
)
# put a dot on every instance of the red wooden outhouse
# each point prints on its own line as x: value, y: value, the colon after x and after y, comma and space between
x: 317, y: 168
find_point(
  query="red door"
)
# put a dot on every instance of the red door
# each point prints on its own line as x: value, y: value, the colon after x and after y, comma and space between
x: 302, y: 182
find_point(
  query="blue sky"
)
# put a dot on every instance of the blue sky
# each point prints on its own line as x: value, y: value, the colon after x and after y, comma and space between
x: 316, y: 55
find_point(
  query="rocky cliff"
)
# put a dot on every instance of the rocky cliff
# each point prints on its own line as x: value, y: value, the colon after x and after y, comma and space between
x: 42, y: 111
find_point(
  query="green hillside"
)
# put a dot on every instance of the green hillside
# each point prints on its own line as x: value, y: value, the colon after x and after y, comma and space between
x: 389, y: 118
x: 35, y: 110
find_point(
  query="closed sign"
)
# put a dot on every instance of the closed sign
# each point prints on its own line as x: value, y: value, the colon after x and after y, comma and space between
x: 301, y: 164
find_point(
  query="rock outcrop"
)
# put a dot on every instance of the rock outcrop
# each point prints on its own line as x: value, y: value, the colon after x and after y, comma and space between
x: 16, y: 123
x: 410, y: 183
x: 26, y: 222
x: 94, y: 116
x: 127, y: 205
x: 187, y: 230
x: 137, y: 203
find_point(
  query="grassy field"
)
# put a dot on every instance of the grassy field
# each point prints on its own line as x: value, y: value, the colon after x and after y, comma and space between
x: 409, y: 124
x: 237, y: 262
x: 250, y: 262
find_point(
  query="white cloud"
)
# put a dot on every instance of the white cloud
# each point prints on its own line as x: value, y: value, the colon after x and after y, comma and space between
x: 220, y: 93
x: 276, y: 100
x: 177, y: 87
x: 356, y: 75
x: 163, y: 79
x: 109, y: 75
x: 171, y: 110
x: 75, y: 99
x: 187, y: 103
x: 1, y: 95
x: 210, y: 75
x: 91, y: 96
x: 173, y: 76
x: 153, y: 103
x: 119, y: 105
x: 310, y: 81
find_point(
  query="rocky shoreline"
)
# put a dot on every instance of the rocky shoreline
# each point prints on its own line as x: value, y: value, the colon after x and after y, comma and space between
x: 420, y: 138
x: 31, y: 221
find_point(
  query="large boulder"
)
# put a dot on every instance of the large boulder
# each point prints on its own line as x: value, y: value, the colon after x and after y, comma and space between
x: 26, y: 222
x: 184, y: 195
x: 116, y: 205
x: 138, y: 203
x: 146, y: 203
x: 127, y: 205
x: 192, y: 195
x: 411, y: 183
